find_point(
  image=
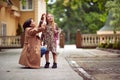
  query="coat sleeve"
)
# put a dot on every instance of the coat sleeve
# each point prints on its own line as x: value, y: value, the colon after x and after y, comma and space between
x: 34, y: 31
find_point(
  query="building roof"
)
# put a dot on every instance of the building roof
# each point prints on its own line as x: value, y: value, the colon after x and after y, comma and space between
x: 107, y: 28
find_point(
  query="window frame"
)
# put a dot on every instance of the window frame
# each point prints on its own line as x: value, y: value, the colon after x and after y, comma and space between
x: 3, y: 29
x: 26, y: 3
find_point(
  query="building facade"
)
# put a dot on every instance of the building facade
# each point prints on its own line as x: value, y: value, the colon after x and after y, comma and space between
x: 14, y: 12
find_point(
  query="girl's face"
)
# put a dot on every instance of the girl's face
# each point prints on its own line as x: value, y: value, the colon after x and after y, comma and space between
x: 33, y: 24
x: 50, y: 17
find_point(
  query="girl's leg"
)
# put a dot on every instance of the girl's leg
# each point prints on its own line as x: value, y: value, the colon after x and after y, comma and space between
x: 47, y: 60
x: 54, y: 60
x: 47, y: 56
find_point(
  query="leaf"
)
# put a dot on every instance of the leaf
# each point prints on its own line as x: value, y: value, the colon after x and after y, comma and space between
x: 95, y: 0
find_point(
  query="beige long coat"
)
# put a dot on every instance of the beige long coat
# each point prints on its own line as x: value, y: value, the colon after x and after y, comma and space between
x: 30, y: 56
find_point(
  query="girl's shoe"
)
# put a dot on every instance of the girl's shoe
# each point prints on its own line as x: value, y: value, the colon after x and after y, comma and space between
x: 54, y: 65
x: 47, y: 65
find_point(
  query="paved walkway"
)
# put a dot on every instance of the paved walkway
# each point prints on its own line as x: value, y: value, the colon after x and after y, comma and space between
x: 11, y: 70
x: 95, y: 64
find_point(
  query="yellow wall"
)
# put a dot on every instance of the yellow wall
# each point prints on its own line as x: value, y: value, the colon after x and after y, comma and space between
x: 25, y: 15
x: 10, y: 20
x: 6, y: 15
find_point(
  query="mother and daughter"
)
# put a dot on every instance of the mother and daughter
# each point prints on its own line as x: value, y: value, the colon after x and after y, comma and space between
x: 30, y: 56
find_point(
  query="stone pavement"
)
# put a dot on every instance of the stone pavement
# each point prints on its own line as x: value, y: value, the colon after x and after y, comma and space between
x: 95, y: 64
x: 11, y: 70
x: 70, y: 66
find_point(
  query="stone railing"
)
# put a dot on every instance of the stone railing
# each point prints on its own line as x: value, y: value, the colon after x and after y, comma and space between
x: 82, y: 40
x: 93, y: 40
x: 10, y: 41
x: 90, y: 40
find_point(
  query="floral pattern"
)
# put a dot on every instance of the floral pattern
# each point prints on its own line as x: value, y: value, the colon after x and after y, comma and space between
x: 50, y: 38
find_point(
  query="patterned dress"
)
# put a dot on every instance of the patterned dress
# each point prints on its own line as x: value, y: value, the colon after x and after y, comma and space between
x: 50, y: 38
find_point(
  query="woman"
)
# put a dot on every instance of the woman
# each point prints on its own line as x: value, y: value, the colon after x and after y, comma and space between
x: 30, y: 56
x: 50, y: 36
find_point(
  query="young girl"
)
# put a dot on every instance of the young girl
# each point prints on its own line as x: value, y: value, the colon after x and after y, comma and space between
x: 30, y: 56
x: 50, y: 36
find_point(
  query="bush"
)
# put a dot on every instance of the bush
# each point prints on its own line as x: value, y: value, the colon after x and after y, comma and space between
x: 115, y: 45
x: 19, y: 30
x: 102, y: 45
x: 109, y: 45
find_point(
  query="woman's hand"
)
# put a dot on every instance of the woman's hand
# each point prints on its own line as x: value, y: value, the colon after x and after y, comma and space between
x: 44, y: 20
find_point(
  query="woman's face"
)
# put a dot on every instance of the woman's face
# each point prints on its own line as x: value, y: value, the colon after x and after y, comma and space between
x: 50, y: 17
x: 33, y: 24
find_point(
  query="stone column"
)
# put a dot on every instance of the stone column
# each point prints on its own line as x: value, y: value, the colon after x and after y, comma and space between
x: 62, y: 39
x: 41, y: 8
x: 78, y: 39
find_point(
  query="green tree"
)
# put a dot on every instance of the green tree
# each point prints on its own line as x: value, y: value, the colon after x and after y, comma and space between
x: 86, y: 15
x: 114, y: 8
x: 19, y: 30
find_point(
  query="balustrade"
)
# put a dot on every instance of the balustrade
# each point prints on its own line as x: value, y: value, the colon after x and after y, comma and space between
x: 90, y: 40
x: 87, y: 40
x: 93, y: 40
x: 10, y: 41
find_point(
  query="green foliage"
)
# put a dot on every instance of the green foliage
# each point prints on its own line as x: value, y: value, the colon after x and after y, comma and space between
x: 19, y: 30
x: 86, y: 15
x: 102, y: 45
x: 92, y: 19
x: 109, y: 45
x: 23, y: 2
x: 114, y: 7
x: 116, y: 45
x: 4, y: 0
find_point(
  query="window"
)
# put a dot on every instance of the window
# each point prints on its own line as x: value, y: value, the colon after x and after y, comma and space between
x: 3, y: 29
x: 27, y: 5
